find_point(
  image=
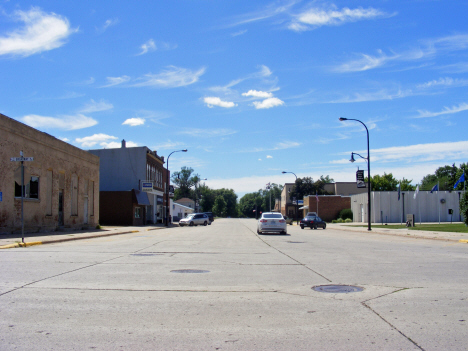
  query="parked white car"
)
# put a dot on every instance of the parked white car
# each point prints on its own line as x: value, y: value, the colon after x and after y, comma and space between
x: 272, y: 222
x: 195, y: 219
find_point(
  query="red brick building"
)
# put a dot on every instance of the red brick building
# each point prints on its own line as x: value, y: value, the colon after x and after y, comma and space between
x: 329, y: 206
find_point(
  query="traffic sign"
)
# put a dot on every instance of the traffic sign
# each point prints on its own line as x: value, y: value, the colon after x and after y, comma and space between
x: 20, y: 159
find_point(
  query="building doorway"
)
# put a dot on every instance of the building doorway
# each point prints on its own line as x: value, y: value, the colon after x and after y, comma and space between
x: 60, y: 209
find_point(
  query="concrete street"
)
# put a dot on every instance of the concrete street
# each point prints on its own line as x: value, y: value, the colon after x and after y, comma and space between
x: 223, y: 287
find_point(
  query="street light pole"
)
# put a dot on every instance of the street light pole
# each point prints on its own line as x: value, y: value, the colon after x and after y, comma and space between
x: 167, y: 186
x: 297, y: 206
x: 368, y: 172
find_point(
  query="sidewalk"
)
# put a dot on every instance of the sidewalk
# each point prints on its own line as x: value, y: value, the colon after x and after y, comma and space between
x: 407, y: 233
x: 8, y: 241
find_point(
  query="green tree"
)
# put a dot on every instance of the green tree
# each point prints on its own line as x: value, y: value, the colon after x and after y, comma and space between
x: 250, y: 202
x: 445, y: 176
x: 383, y: 183
x: 219, y: 207
x: 230, y: 198
x: 464, y: 207
x: 184, y: 180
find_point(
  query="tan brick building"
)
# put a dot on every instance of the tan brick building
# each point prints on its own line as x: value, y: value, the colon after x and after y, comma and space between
x: 61, y: 184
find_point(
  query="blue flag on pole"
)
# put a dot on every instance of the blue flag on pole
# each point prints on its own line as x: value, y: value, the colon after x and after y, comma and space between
x: 461, y: 180
x: 435, y: 188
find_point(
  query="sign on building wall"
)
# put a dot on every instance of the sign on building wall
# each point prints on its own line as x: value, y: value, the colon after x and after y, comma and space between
x: 360, y: 179
x: 146, y: 186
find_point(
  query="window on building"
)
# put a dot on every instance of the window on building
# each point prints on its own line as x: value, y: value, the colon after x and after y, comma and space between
x: 91, y: 198
x: 137, y: 212
x: 30, y: 189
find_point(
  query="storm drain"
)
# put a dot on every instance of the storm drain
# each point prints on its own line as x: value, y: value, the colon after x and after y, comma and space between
x: 337, y: 289
x: 189, y: 271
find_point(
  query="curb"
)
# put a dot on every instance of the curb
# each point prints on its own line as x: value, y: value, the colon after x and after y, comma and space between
x: 53, y: 241
x: 406, y: 235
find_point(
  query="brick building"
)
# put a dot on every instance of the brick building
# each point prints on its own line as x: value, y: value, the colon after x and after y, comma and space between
x: 329, y: 206
x: 61, y: 183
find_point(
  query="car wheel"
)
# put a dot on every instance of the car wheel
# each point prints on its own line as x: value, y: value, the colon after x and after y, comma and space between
x: 324, y: 226
x: 205, y: 223
x: 315, y: 226
x: 302, y: 227
x: 284, y: 232
x: 258, y: 231
x: 191, y: 224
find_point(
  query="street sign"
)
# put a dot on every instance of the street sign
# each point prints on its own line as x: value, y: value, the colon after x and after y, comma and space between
x: 360, y: 179
x: 300, y: 202
x: 20, y: 159
x: 1, y: 196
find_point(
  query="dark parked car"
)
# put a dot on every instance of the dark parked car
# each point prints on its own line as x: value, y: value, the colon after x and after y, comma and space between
x: 312, y: 222
x: 210, y: 216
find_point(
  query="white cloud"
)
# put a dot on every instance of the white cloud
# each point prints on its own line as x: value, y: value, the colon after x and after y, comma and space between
x: 68, y: 122
x: 148, y: 46
x: 444, y: 82
x: 172, y: 77
x: 216, y: 101
x: 112, y: 81
x: 41, y: 32
x: 195, y: 132
x: 136, y: 121
x: 94, y: 106
x: 268, y: 156
x: 92, y: 140
x: 117, y: 145
x: 258, y: 94
x: 315, y: 17
x: 107, y: 24
x: 374, y: 96
x: 445, y: 111
x: 268, y: 103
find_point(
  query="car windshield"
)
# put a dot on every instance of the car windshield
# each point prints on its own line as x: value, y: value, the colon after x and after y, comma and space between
x: 190, y: 216
x: 272, y: 215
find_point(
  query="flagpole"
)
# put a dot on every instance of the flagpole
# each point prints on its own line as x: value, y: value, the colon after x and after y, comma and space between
x: 419, y: 207
x: 438, y: 197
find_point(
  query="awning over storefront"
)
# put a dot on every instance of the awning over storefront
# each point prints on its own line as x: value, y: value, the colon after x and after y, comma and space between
x: 141, y: 198
x: 304, y: 208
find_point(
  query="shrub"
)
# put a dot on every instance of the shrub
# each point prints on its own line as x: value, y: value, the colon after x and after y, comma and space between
x: 464, y: 207
x: 339, y: 220
x: 345, y: 214
x: 334, y: 221
x: 348, y: 220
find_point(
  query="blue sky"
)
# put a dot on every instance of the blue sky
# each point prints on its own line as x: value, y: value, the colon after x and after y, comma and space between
x: 250, y: 88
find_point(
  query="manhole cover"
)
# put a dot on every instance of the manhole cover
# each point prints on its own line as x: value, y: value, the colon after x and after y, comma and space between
x: 189, y: 271
x: 337, y: 289
x: 143, y: 254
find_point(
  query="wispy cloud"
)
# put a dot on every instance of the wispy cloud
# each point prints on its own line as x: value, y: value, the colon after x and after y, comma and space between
x: 107, y: 24
x: 269, y: 11
x: 417, y: 153
x: 147, y: 47
x: 365, y: 62
x: 195, y: 132
x: 172, y: 77
x: 379, y: 95
x: 241, y: 32
x: 268, y: 103
x: 113, y: 81
x: 66, y: 122
x: 94, y: 106
x: 216, y: 101
x: 444, y: 82
x: 316, y: 17
x: 133, y: 122
x: 168, y: 145
x: 279, y: 146
x: 445, y: 111
x: 40, y: 32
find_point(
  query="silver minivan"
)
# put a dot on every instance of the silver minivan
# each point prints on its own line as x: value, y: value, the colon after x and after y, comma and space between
x: 195, y: 219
